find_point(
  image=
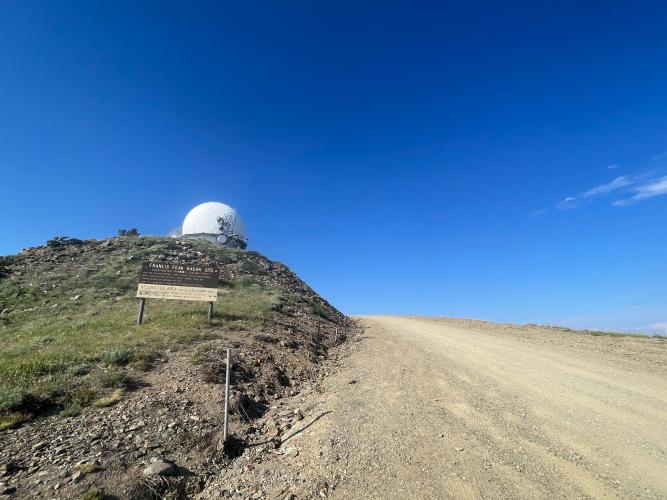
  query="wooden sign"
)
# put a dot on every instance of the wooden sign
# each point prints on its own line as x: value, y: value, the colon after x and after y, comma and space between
x: 169, y: 280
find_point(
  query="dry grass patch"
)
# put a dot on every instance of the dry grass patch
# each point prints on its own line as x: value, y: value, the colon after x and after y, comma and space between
x: 110, y: 400
x: 12, y: 420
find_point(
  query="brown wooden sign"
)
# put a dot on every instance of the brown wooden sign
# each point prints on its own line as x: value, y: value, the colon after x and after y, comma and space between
x: 170, y: 280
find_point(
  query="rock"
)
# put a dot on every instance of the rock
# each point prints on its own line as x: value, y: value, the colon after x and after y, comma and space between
x: 276, y: 441
x: 160, y: 468
x: 39, y: 446
x: 240, y: 403
x: 76, y: 297
x: 77, y: 476
x: 459, y: 449
x: 136, y: 426
x: 272, y: 428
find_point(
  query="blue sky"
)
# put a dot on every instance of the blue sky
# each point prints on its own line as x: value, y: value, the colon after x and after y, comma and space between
x: 496, y: 160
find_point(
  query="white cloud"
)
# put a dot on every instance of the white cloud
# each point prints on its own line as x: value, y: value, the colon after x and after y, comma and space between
x: 618, y: 183
x: 613, y: 166
x: 575, y: 201
x: 653, y: 188
x: 660, y: 155
x: 567, y: 204
x: 625, y: 190
x: 656, y: 187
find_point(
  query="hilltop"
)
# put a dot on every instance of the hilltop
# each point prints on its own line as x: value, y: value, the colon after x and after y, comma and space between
x: 87, y: 398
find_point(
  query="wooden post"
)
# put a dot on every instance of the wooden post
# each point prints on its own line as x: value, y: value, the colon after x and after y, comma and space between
x: 227, y: 375
x: 210, y: 311
x: 140, y: 313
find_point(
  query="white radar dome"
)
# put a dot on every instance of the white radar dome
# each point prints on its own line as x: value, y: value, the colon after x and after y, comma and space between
x: 205, y: 219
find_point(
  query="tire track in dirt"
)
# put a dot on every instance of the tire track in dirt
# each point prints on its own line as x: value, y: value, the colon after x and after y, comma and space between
x: 462, y: 409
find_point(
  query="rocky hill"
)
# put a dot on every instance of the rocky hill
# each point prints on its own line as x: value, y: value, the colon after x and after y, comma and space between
x: 92, y: 404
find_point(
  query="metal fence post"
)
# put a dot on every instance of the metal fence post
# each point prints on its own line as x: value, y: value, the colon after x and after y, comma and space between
x: 227, y: 375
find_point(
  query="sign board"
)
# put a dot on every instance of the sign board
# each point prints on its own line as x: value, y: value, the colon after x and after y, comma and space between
x: 169, y: 280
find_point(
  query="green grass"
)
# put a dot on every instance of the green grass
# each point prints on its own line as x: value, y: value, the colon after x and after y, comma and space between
x: 67, y: 356
x: 112, y: 377
x: 200, y: 354
x: 119, y: 356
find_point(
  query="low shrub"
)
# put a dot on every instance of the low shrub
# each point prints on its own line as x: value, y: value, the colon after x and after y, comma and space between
x: 111, y: 377
x: 119, y: 357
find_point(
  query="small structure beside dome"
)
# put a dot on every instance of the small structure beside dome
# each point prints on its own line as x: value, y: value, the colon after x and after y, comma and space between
x: 215, y: 222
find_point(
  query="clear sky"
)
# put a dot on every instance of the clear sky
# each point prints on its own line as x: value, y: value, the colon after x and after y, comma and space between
x: 497, y: 160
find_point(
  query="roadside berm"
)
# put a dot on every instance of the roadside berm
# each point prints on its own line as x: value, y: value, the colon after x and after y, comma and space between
x: 91, y: 404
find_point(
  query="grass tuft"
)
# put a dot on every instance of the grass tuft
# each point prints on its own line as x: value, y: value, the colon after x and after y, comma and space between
x: 111, y: 377
x: 94, y: 494
x: 12, y: 421
x: 119, y: 357
x: 200, y: 354
x: 89, y: 468
x: 110, y: 400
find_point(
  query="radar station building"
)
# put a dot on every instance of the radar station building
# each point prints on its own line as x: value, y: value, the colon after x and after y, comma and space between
x: 214, y: 222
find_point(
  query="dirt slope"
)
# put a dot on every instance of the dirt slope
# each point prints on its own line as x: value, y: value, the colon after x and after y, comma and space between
x: 445, y: 408
x: 90, y: 401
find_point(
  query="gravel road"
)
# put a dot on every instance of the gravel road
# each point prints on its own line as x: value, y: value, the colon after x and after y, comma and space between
x: 449, y: 408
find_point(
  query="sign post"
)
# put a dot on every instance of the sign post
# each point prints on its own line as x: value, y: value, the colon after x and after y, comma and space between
x: 140, y: 314
x: 176, y: 281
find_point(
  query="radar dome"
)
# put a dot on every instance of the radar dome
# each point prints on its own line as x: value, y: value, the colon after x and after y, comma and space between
x: 215, y: 222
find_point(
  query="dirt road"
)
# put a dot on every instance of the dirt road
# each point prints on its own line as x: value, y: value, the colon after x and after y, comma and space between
x: 446, y: 408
